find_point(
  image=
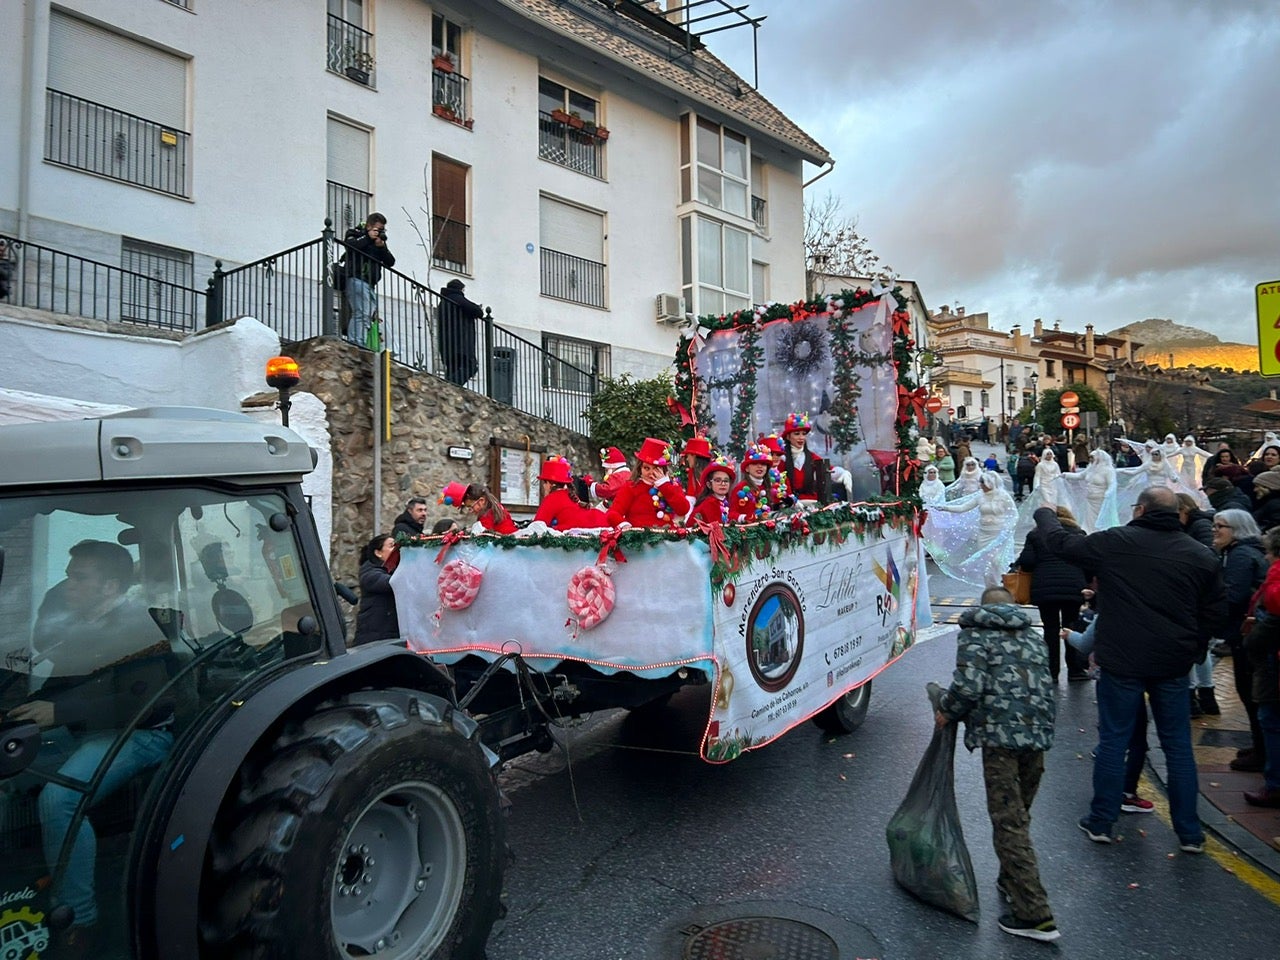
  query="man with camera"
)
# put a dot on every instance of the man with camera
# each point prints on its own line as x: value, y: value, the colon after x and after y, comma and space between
x: 367, y: 255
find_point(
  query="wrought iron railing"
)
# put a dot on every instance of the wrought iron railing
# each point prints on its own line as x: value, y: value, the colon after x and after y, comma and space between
x: 562, y: 143
x: 450, y: 241
x: 567, y: 277
x: 349, y: 51
x: 292, y: 293
x: 449, y: 93
x: 46, y: 279
x: 347, y: 206
x: 99, y: 139
x: 760, y: 212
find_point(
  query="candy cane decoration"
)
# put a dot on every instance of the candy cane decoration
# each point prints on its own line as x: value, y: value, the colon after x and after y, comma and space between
x: 458, y: 584
x: 590, y: 596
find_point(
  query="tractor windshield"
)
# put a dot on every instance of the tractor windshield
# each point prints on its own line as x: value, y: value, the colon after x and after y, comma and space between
x: 124, y: 615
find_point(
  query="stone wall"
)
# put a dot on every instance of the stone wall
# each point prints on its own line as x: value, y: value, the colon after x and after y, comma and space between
x: 428, y: 416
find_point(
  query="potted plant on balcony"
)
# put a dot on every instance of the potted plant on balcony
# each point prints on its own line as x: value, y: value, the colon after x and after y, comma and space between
x: 575, y: 120
x: 559, y: 116
x: 444, y: 110
x: 358, y: 63
x: 443, y: 61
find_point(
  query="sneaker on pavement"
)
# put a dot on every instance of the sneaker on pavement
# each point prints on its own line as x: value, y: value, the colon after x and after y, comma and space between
x: 1045, y: 929
x: 1191, y: 846
x: 1250, y: 764
x: 1097, y: 836
x: 1132, y: 803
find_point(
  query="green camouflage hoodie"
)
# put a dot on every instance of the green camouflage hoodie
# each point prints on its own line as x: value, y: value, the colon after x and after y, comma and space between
x: 1001, y: 688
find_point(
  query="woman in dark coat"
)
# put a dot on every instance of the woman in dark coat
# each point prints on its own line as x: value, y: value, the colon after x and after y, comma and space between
x: 377, y: 619
x: 1244, y: 566
x: 1266, y: 509
x: 1055, y: 589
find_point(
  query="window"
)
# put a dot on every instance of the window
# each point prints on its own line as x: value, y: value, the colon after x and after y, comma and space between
x: 450, y: 231
x: 116, y: 107
x: 448, y: 85
x: 719, y: 167
x: 759, y: 187
x: 157, y: 284
x: 968, y: 398
x: 568, y: 128
x: 349, y: 48
x: 349, y: 196
x: 1048, y: 368
x: 574, y: 365
x: 716, y: 264
x: 759, y: 282
x: 572, y: 242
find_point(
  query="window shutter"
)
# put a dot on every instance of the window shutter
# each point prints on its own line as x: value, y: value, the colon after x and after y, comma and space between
x: 449, y: 188
x: 572, y: 230
x: 108, y: 68
x: 348, y: 155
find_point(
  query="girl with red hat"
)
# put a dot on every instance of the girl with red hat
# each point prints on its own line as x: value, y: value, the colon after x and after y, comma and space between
x: 754, y: 498
x: 653, y: 500
x: 713, y: 503
x: 808, y: 475
x: 560, y: 508
x: 616, y: 475
x: 490, y: 514
x: 696, y: 455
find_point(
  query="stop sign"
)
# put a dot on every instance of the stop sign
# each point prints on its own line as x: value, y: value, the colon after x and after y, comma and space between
x: 951, y: 411
x: 933, y: 404
x: 1069, y: 399
x: 1070, y: 420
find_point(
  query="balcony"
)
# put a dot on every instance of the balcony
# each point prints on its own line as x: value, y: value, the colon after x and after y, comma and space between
x: 98, y: 139
x: 349, y: 51
x: 760, y: 213
x: 346, y: 206
x: 571, y: 278
x: 450, y: 244
x: 449, y: 91
x: 561, y: 142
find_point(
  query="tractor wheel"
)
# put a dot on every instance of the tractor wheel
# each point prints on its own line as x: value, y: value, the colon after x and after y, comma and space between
x: 369, y: 827
x: 847, y: 713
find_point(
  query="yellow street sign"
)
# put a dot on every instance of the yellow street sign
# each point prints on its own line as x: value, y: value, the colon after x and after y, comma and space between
x: 1268, y: 299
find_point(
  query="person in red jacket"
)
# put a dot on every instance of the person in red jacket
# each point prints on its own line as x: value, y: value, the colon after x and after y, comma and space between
x: 713, y: 503
x: 559, y: 507
x: 696, y: 455
x: 653, y: 500
x: 490, y: 514
x: 751, y: 499
x: 808, y: 475
x: 616, y: 475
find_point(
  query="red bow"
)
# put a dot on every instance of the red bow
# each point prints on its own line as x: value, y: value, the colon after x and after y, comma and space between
x: 450, y: 538
x: 609, y: 544
x: 680, y: 411
x: 902, y: 322
x: 912, y: 401
x: 715, y: 538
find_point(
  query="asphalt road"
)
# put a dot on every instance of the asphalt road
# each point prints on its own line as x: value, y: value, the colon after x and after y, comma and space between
x: 626, y: 838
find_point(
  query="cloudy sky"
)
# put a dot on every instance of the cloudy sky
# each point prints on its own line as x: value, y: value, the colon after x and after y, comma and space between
x: 1075, y: 160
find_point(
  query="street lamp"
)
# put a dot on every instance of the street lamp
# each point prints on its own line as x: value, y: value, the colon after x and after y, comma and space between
x: 1010, y: 386
x: 1035, y: 394
x: 282, y: 374
x: 1111, y: 401
x: 1186, y: 399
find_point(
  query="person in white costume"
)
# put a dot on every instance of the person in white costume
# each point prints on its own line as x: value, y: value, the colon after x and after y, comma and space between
x: 968, y: 480
x: 932, y: 490
x: 1091, y: 493
x: 1190, y: 462
x: 971, y: 538
x: 1047, y: 477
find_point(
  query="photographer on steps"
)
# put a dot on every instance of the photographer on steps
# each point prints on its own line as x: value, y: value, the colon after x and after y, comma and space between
x: 367, y: 255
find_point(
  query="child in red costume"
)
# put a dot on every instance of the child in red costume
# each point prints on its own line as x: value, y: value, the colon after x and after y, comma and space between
x: 560, y: 508
x: 752, y: 499
x: 696, y: 455
x: 713, y: 504
x: 653, y: 500
x: 490, y: 514
x: 808, y: 475
x: 616, y: 475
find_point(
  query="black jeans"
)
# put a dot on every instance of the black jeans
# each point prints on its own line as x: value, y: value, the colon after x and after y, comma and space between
x: 1053, y: 616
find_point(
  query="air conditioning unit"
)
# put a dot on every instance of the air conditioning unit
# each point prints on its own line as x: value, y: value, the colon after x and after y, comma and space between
x: 670, y: 308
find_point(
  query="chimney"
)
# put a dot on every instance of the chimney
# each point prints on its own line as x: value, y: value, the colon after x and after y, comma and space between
x: 674, y: 12
x: 1038, y: 329
x: 959, y: 311
x: 946, y: 310
x: 1171, y: 361
x: 1057, y: 325
x: 1088, y: 340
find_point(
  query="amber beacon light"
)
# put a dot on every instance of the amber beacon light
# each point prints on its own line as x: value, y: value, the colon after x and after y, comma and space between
x: 283, y: 375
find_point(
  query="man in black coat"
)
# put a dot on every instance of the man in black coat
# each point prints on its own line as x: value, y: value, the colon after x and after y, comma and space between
x: 411, y: 522
x: 367, y: 254
x: 457, y: 328
x: 1160, y: 597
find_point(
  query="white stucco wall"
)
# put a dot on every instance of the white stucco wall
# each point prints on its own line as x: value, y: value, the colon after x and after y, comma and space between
x: 260, y: 97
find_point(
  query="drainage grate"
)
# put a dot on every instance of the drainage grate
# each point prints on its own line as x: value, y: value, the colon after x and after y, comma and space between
x: 760, y: 938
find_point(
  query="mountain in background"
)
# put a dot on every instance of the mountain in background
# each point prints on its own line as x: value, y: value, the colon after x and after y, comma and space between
x: 1188, y: 345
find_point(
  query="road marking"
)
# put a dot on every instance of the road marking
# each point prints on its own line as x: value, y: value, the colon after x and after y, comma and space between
x: 1220, y: 854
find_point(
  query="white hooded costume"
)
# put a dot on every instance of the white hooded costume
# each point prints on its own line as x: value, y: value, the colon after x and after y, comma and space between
x: 1190, y: 461
x: 968, y: 480
x: 1047, y: 475
x: 932, y: 490
x: 971, y: 539
x: 1090, y: 494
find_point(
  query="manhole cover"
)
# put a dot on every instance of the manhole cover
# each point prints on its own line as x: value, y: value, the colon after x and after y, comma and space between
x: 760, y: 938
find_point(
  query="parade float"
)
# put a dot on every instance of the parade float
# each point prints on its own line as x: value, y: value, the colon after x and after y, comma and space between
x: 784, y: 619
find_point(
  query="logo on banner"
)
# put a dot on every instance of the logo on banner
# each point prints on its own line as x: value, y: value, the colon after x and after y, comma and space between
x: 775, y: 636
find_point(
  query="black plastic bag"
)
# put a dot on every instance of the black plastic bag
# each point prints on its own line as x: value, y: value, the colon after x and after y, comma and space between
x: 926, y: 843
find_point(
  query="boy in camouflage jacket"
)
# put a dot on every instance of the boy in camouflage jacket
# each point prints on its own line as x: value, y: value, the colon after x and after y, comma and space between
x: 1003, y: 692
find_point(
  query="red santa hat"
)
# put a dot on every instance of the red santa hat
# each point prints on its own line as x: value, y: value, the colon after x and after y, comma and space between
x: 756, y: 453
x: 796, y: 421
x: 611, y: 457
x: 718, y: 465
x: 698, y: 446
x: 655, y: 452
x: 772, y: 443
x: 556, y: 470
x: 452, y: 494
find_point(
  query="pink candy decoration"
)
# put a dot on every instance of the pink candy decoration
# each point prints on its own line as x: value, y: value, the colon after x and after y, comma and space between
x: 458, y: 584
x: 590, y: 596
